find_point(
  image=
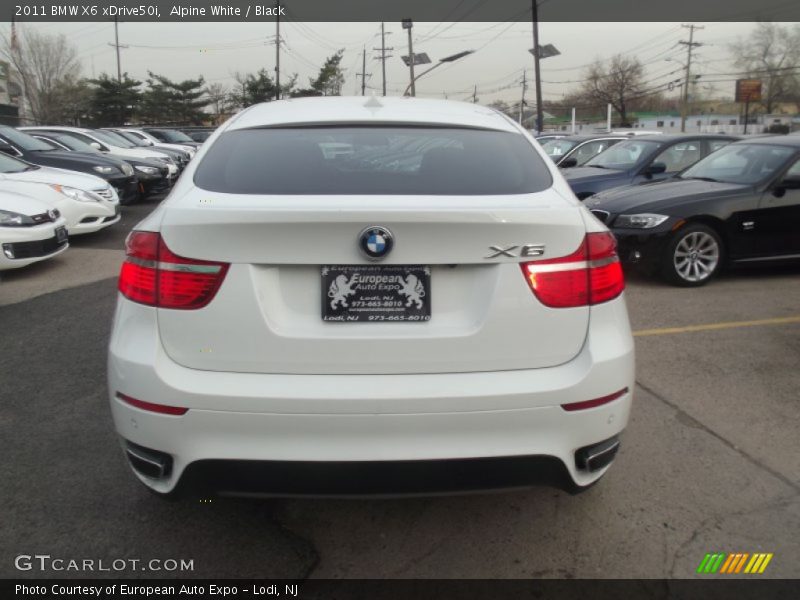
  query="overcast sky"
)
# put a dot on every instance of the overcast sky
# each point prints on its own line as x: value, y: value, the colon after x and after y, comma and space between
x: 217, y: 50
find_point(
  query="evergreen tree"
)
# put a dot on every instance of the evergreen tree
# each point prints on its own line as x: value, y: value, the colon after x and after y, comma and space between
x: 330, y: 79
x: 167, y: 101
x: 113, y: 102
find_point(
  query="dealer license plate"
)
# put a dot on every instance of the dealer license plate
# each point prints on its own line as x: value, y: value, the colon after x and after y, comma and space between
x: 372, y: 293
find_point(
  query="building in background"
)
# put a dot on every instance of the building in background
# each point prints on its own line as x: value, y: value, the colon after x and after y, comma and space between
x: 10, y: 95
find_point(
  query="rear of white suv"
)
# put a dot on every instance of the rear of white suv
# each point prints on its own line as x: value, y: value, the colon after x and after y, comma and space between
x: 350, y: 296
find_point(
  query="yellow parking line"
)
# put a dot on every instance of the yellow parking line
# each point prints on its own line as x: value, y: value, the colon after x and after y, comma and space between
x: 713, y: 326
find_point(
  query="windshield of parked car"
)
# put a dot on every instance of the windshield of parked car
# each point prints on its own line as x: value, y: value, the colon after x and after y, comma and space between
x: 109, y: 137
x: 9, y: 164
x: 24, y: 141
x: 133, y: 138
x: 624, y: 155
x: 170, y: 135
x: 372, y: 160
x: 741, y: 163
x: 50, y: 143
x: 558, y: 147
x: 75, y: 144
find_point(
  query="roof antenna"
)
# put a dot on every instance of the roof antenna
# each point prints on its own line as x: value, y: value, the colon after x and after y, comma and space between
x: 373, y: 102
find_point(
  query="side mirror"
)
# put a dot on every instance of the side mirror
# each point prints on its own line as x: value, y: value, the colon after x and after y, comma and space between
x: 568, y: 162
x: 96, y: 146
x: 789, y: 183
x: 656, y: 168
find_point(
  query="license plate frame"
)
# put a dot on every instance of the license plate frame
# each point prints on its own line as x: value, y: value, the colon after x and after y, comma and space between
x: 61, y: 234
x: 376, y: 293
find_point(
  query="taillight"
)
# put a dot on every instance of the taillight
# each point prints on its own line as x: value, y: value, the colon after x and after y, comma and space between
x: 590, y: 275
x: 153, y: 275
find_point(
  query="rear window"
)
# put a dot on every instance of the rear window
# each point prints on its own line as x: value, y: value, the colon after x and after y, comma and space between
x: 372, y: 160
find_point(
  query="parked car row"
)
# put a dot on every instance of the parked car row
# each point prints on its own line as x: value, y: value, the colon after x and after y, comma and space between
x: 686, y: 206
x: 57, y: 182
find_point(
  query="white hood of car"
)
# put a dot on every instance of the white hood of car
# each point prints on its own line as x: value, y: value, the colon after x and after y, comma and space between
x: 23, y: 203
x: 53, y: 176
x: 136, y: 152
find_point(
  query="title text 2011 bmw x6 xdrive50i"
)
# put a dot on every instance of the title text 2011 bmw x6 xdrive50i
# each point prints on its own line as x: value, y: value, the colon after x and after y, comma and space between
x: 369, y: 296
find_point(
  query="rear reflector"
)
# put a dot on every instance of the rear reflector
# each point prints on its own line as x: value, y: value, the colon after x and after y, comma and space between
x: 590, y: 275
x: 593, y: 403
x: 149, y: 406
x: 153, y: 275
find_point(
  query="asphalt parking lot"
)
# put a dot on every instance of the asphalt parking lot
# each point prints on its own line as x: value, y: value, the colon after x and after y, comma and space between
x: 710, y: 461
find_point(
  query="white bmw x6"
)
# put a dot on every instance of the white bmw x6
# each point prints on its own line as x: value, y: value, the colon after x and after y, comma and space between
x: 370, y: 296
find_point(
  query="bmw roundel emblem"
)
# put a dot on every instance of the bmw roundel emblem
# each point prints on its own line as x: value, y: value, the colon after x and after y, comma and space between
x: 375, y: 242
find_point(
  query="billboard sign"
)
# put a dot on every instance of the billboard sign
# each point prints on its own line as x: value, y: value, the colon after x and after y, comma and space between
x: 748, y: 90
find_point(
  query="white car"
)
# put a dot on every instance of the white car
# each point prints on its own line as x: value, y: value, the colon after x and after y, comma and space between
x: 431, y: 311
x: 100, y: 140
x: 86, y: 207
x: 150, y: 140
x: 30, y: 231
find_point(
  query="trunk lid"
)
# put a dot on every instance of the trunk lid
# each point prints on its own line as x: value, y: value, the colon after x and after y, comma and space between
x: 267, y: 315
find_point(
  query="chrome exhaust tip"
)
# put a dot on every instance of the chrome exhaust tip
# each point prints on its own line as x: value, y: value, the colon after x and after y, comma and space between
x: 150, y: 463
x: 597, y: 456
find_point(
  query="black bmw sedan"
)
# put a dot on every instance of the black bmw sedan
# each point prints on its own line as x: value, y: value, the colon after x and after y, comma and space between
x: 642, y: 159
x: 739, y: 205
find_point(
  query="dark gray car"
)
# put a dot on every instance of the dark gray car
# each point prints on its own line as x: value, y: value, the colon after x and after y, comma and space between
x: 642, y: 159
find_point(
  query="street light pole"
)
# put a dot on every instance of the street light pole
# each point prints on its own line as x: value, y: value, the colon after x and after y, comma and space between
x: 537, y: 76
x: 447, y: 59
x: 408, y: 24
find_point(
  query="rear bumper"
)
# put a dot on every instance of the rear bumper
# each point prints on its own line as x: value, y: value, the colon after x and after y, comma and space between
x: 369, y: 478
x: 254, y: 423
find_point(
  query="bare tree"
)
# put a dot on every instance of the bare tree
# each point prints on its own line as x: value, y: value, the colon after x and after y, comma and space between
x: 45, y: 63
x: 218, y: 95
x: 618, y: 83
x: 772, y: 54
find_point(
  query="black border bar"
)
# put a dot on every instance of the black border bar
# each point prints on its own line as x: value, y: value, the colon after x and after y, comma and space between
x: 713, y: 588
x: 600, y: 11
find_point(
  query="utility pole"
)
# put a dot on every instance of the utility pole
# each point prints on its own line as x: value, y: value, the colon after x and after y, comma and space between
x: 277, y: 51
x: 522, y: 100
x: 475, y: 95
x: 537, y: 76
x: 408, y: 24
x: 690, y: 45
x: 117, y: 46
x: 383, y: 56
x: 363, y: 73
